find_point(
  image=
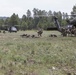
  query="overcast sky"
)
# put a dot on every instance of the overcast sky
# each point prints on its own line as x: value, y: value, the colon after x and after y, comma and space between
x: 8, y: 7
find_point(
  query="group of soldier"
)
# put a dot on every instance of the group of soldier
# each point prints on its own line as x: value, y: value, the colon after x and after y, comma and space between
x: 69, y: 31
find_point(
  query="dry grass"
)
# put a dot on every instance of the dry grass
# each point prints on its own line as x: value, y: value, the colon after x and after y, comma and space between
x: 37, y: 56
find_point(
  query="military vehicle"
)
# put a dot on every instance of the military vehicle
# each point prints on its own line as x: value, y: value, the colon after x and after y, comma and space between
x: 68, y: 29
x: 12, y: 29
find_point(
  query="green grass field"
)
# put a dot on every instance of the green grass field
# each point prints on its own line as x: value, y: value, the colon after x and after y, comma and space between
x: 37, y: 56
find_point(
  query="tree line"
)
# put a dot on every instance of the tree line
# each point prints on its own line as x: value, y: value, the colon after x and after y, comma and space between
x: 39, y: 19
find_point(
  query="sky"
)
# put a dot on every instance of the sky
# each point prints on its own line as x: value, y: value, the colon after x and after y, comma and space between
x: 20, y: 7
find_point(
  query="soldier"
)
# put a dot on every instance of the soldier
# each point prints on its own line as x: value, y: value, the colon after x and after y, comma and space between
x: 73, y: 30
x: 40, y: 31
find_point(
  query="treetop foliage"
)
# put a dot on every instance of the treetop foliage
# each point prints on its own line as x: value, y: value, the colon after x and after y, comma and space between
x: 37, y: 19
